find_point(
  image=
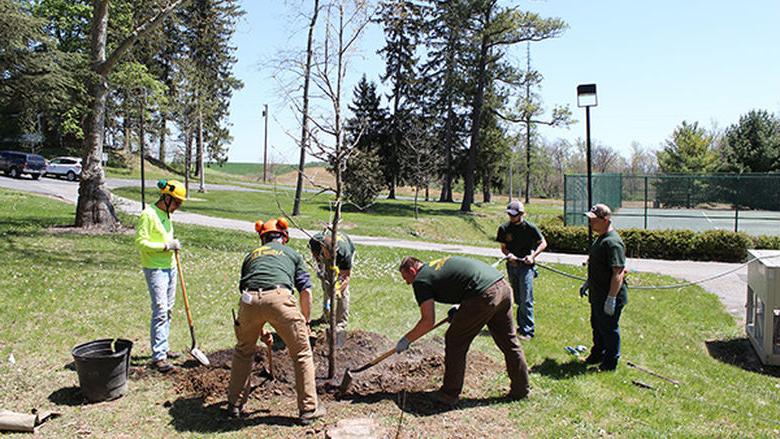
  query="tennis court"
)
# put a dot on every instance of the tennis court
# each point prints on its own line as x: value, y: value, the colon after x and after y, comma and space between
x: 753, y: 222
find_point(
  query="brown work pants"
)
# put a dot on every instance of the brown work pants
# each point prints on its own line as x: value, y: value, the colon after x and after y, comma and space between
x: 494, y: 309
x: 277, y: 307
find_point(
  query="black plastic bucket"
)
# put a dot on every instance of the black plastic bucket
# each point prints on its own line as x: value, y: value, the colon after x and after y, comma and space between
x: 103, y: 367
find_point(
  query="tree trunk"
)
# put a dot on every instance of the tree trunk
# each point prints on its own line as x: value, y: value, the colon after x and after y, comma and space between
x: 127, y: 132
x: 201, y: 152
x: 486, y: 195
x: 305, y: 119
x: 94, y: 208
x: 476, y: 117
x: 163, y: 132
x: 187, y: 161
x: 391, y: 188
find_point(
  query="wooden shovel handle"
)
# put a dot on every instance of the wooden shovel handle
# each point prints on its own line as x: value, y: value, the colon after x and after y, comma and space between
x: 183, y: 287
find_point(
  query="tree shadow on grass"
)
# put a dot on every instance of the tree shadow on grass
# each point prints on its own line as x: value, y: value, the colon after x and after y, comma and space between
x: 420, y: 403
x: 740, y: 353
x: 191, y: 415
x: 551, y: 368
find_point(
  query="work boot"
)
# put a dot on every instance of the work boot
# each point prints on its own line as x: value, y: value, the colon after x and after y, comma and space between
x: 443, y: 398
x: 516, y: 395
x: 173, y: 355
x: 308, y: 417
x: 593, y: 358
x: 608, y: 366
x: 233, y: 411
x: 162, y: 366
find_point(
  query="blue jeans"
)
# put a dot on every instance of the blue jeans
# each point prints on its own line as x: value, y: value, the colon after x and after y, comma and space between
x: 606, y: 332
x: 521, y: 277
x: 162, y: 290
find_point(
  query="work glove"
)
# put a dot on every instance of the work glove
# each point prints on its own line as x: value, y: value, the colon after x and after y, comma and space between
x: 267, y: 338
x: 402, y: 345
x: 173, y: 244
x: 609, y: 306
x: 584, y: 289
x: 451, y: 313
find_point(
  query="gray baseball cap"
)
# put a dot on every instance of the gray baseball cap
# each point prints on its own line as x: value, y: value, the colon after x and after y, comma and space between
x: 515, y: 207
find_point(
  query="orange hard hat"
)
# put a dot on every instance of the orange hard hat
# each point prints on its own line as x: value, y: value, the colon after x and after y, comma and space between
x: 278, y: 225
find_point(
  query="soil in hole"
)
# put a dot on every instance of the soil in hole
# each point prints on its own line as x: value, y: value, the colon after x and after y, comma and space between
x: 417, y: 370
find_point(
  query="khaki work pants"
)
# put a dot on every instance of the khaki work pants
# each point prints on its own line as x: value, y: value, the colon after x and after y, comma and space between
x: 279, y: 308
x: 342, y: 309
x: 494, y: 309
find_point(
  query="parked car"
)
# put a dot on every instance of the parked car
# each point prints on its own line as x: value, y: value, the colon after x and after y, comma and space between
x: 68, y: 167
x: 15, y: 163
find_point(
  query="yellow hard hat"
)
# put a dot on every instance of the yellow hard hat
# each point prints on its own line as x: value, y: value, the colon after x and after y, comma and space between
x: 173, y: 188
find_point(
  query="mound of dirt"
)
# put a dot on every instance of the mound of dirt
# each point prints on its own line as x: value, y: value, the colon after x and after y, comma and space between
x: 416, y: 370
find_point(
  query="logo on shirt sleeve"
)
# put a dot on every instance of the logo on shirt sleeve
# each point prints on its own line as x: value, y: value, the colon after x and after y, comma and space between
x: 436, y: 264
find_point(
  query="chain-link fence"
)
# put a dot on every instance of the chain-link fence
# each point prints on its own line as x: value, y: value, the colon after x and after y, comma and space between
x: 606, y: 189
x: 748, y: 203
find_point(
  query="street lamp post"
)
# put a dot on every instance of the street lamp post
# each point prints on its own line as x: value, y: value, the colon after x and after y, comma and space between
x: 265, y: 144
x: 586, y: 97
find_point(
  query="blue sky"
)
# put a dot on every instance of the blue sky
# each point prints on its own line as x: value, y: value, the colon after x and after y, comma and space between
x: 656, y: 63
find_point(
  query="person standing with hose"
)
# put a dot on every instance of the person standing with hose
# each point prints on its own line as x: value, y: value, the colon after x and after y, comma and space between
x: 268, y: 276
x: 608, y: 291
x: 521, y: 242
x: 156, y: 244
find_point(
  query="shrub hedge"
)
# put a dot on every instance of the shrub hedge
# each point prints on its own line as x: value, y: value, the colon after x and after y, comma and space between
x: 712, y: 245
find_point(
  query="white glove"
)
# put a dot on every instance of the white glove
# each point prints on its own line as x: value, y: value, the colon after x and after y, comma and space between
x: 173, y: 244
x: 609, y: 306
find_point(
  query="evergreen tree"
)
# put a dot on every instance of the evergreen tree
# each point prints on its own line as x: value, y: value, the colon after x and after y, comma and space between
x: 208, y: 81
x: 753, y: 144
x: 496, y: 28
x: 689, y: 150
x: 443, y: 81
x: 367, y: 130
x: 402, y: 23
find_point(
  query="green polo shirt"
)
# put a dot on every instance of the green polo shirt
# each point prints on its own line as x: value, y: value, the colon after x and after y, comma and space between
x: 152, y: 231
x: 345, y: 249
x: 520, y: 239
x: 606, y: 253
x: 453, y: 279
x: 273, y: 264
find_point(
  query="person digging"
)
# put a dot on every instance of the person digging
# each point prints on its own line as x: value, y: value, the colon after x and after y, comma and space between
x: 320, y: 246
x: 156, y: 244
x: 485, y: 298
x: 268, y: 275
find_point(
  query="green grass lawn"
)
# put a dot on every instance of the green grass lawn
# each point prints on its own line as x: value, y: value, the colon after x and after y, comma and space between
x: 439, y: 222
x: 255, y: 170
x: 62, y: 289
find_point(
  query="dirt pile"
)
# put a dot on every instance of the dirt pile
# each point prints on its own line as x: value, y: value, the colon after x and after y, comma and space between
x: 419, y: 369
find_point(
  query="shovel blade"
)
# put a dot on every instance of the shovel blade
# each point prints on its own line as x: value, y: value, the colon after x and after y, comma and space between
x: 346, y: 381
x: 200, y: 357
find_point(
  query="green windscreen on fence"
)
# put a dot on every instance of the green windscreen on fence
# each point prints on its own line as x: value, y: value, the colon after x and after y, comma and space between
x: 607, y: 189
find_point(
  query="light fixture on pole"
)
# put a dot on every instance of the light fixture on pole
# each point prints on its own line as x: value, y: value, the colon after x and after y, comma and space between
x: 586, y: 97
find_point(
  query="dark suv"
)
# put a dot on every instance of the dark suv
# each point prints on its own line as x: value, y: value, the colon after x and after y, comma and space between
x: 15, y: 163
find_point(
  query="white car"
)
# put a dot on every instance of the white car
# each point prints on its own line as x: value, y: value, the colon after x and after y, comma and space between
x: 68, y: 167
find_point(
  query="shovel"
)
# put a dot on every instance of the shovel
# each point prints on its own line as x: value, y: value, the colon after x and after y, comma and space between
x: 346, y: 381
x: 194, y: 351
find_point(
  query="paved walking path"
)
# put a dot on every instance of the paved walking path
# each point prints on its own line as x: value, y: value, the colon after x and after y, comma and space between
x: 730, y: 289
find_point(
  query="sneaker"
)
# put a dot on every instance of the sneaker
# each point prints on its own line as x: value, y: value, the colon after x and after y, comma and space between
x: 517, y: 396
x: 443, y: 398
x: 233, y: 411
x: 308, y: 418
x: 173, y: 355
x: 162, y: 366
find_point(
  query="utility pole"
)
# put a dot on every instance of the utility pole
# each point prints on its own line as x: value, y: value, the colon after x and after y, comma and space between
x: 265, y: 144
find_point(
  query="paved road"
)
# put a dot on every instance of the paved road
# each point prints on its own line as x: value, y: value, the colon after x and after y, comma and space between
x: 730, y: 289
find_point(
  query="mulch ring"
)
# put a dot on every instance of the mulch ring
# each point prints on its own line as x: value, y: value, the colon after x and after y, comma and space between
x: 419, y: 369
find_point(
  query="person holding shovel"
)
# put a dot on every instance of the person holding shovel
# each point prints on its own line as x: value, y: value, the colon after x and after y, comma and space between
x: 320, y: 246
x: 485, y: 298
x: 521, y: 242
x: 268, y: 276
x: 156, y: 244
